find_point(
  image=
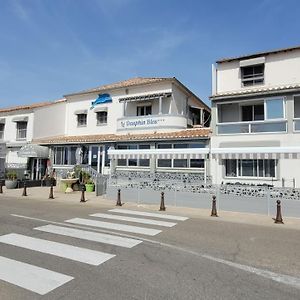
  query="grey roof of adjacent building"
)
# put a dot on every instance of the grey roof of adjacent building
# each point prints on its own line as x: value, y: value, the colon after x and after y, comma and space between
x: 258, y: 54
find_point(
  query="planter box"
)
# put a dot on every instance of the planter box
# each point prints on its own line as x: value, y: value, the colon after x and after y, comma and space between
x: 11, y: 184
x: 89, y: 187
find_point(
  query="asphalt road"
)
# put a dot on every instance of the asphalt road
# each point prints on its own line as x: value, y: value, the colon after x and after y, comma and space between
x: 195, y: 259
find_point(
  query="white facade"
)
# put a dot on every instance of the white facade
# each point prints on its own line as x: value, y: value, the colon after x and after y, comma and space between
x: 256, y: 104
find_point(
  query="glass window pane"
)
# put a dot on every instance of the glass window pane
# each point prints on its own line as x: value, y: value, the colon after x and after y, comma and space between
x: 164, y: 163
x: 247, y: 167
x: 144, y: 146
x: 196, y: 145
x: 230, y: 167
x: 261, y: 168
x: 275, y: 108
x: 180, y: 163
x: 144, y: 162
x: 122, y: 162
x: 122, y: 147
x: 247, y: 113
x: 132, y: 162
x: 180, y: 146
x: 164, y: 146
x: 73, y: 156
x: 259, y: 112
x: 197, y: 163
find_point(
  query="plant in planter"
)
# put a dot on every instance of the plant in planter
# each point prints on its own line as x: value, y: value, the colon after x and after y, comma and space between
x: 11, y: 180
x: 87, y: 181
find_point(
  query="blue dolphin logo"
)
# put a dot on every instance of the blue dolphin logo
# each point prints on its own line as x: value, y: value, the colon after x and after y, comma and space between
x: 102, y: 98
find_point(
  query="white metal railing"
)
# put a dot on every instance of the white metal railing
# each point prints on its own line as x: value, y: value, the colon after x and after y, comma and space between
x: 252, y: 127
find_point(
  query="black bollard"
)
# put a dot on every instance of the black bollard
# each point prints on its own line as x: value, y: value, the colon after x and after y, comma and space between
x: 51, y: 196
x: 82, y: 199
x: 162, y: 202
x: 119, y: 203
x: 214, y: 207
x: 278, y: 219
x: 25, y: 189
x: 1, y: 187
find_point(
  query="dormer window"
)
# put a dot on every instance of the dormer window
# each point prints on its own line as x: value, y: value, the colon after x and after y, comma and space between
x: 252, y: 75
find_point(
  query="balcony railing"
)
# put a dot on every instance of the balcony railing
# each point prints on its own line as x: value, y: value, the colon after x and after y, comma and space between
x: 252, y: 127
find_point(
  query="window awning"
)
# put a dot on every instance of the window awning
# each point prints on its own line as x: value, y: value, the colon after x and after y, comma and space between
x: 189, y: 153
x: 252, y: 61
x: 256, y: 153
x: 20, y: 119
x: 81, y: 112
x: 145, y: 97
x: 2, y: 121
x: 33, y: 150
x: 99, y: 109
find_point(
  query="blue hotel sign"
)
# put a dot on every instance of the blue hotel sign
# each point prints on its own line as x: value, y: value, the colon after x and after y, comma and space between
x: 149, y: 122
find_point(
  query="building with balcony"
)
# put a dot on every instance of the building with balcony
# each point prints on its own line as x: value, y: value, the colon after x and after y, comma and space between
x: 140, y: 124
x: 255, y: 118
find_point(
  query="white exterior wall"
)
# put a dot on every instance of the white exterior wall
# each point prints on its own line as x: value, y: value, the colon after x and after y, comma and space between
x: 49, y: 120
x: 280, y: 69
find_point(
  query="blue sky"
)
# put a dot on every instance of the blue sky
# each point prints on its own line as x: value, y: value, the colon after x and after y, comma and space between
x: 49, y: 48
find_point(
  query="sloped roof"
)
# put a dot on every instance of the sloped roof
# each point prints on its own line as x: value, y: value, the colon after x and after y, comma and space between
x: 30, y: 106
x: 248, y: 56
x: 124, y: 84
x: 183, y: 134
x: 260, y: 90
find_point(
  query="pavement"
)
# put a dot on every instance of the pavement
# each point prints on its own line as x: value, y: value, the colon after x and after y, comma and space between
x: 63, y: 249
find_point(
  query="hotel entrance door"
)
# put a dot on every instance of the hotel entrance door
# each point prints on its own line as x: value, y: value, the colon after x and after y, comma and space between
x: 96, y: 158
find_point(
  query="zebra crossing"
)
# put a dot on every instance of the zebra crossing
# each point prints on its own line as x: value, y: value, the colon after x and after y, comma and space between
x: 42, y: 281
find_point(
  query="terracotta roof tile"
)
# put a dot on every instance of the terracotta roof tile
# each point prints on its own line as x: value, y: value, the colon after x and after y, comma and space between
x: 183, y: 134
x: 30, y: 106
x: 123, y: 84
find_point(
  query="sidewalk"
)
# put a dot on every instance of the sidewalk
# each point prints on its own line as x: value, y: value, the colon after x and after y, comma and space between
x: 42, y: 193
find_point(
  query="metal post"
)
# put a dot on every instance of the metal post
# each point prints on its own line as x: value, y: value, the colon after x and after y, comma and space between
x: 119, y: 203
x: 162, y: 202
x: 82, y: 199
x: 25, y: 189
x: 214, y: 207
x: 278, y: 219
x: 1, y: 187
x: 51, y: 191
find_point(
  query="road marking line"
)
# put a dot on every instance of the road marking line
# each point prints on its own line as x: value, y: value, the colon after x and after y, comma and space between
x: 29, y: 277
x: 148, y: 214
x: 83, y: 255
x: 115, y: 226
x: 277, y: 277
x: 90, y: 236
x: 134, y: 220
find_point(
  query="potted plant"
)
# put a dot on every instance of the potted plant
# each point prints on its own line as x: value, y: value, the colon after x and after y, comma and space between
x: 87, y: 181
x: 11, y: 180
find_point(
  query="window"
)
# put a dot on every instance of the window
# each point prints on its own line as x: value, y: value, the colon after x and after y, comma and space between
x: 133, y: 162
x: 65, y: 155
x: 81, y: 120
x: 180, y: 163
x: 21, y: 130
x: 101, y: 117
x: 252, y: 75
x: 253, y: 112
x: 143, y: 110
x: 259, y: 168
x: 2, y: 126
x: 274, y: 108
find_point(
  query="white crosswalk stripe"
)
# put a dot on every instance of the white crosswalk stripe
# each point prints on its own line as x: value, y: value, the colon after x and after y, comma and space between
x: 32, y: 278
x: 148, y: 214
x: 83, y: 255
x: 134, y: 220
x: 90, y: 236
x: 115, y: 226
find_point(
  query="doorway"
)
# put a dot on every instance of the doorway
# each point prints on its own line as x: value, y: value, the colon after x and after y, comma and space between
x: 96, y: 158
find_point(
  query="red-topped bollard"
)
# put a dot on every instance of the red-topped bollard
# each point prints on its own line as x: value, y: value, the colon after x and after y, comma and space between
x: 119, y: 203
x: 25, y: 189
x: 278, y: 219
x: 51, y: 196
x: 214, y: 207
x: 162, y: 202
x: 82, y: 199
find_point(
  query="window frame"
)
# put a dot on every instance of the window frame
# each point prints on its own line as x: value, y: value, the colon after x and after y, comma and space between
x: 254, y: 76
x: 78, y: 116
x: 19, y: 132
x: 144, y: 108
x: 104, y: 121
x: 2, y: 129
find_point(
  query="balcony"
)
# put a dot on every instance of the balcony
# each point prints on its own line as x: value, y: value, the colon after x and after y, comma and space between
x: 161, y: 121
x: 253, y: 127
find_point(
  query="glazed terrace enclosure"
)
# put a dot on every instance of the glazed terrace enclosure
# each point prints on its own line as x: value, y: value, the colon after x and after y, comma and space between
x: 193, y: 190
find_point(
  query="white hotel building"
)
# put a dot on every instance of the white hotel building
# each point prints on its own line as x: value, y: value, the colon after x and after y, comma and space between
x: 147, y: 123
x: 256, y: 118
